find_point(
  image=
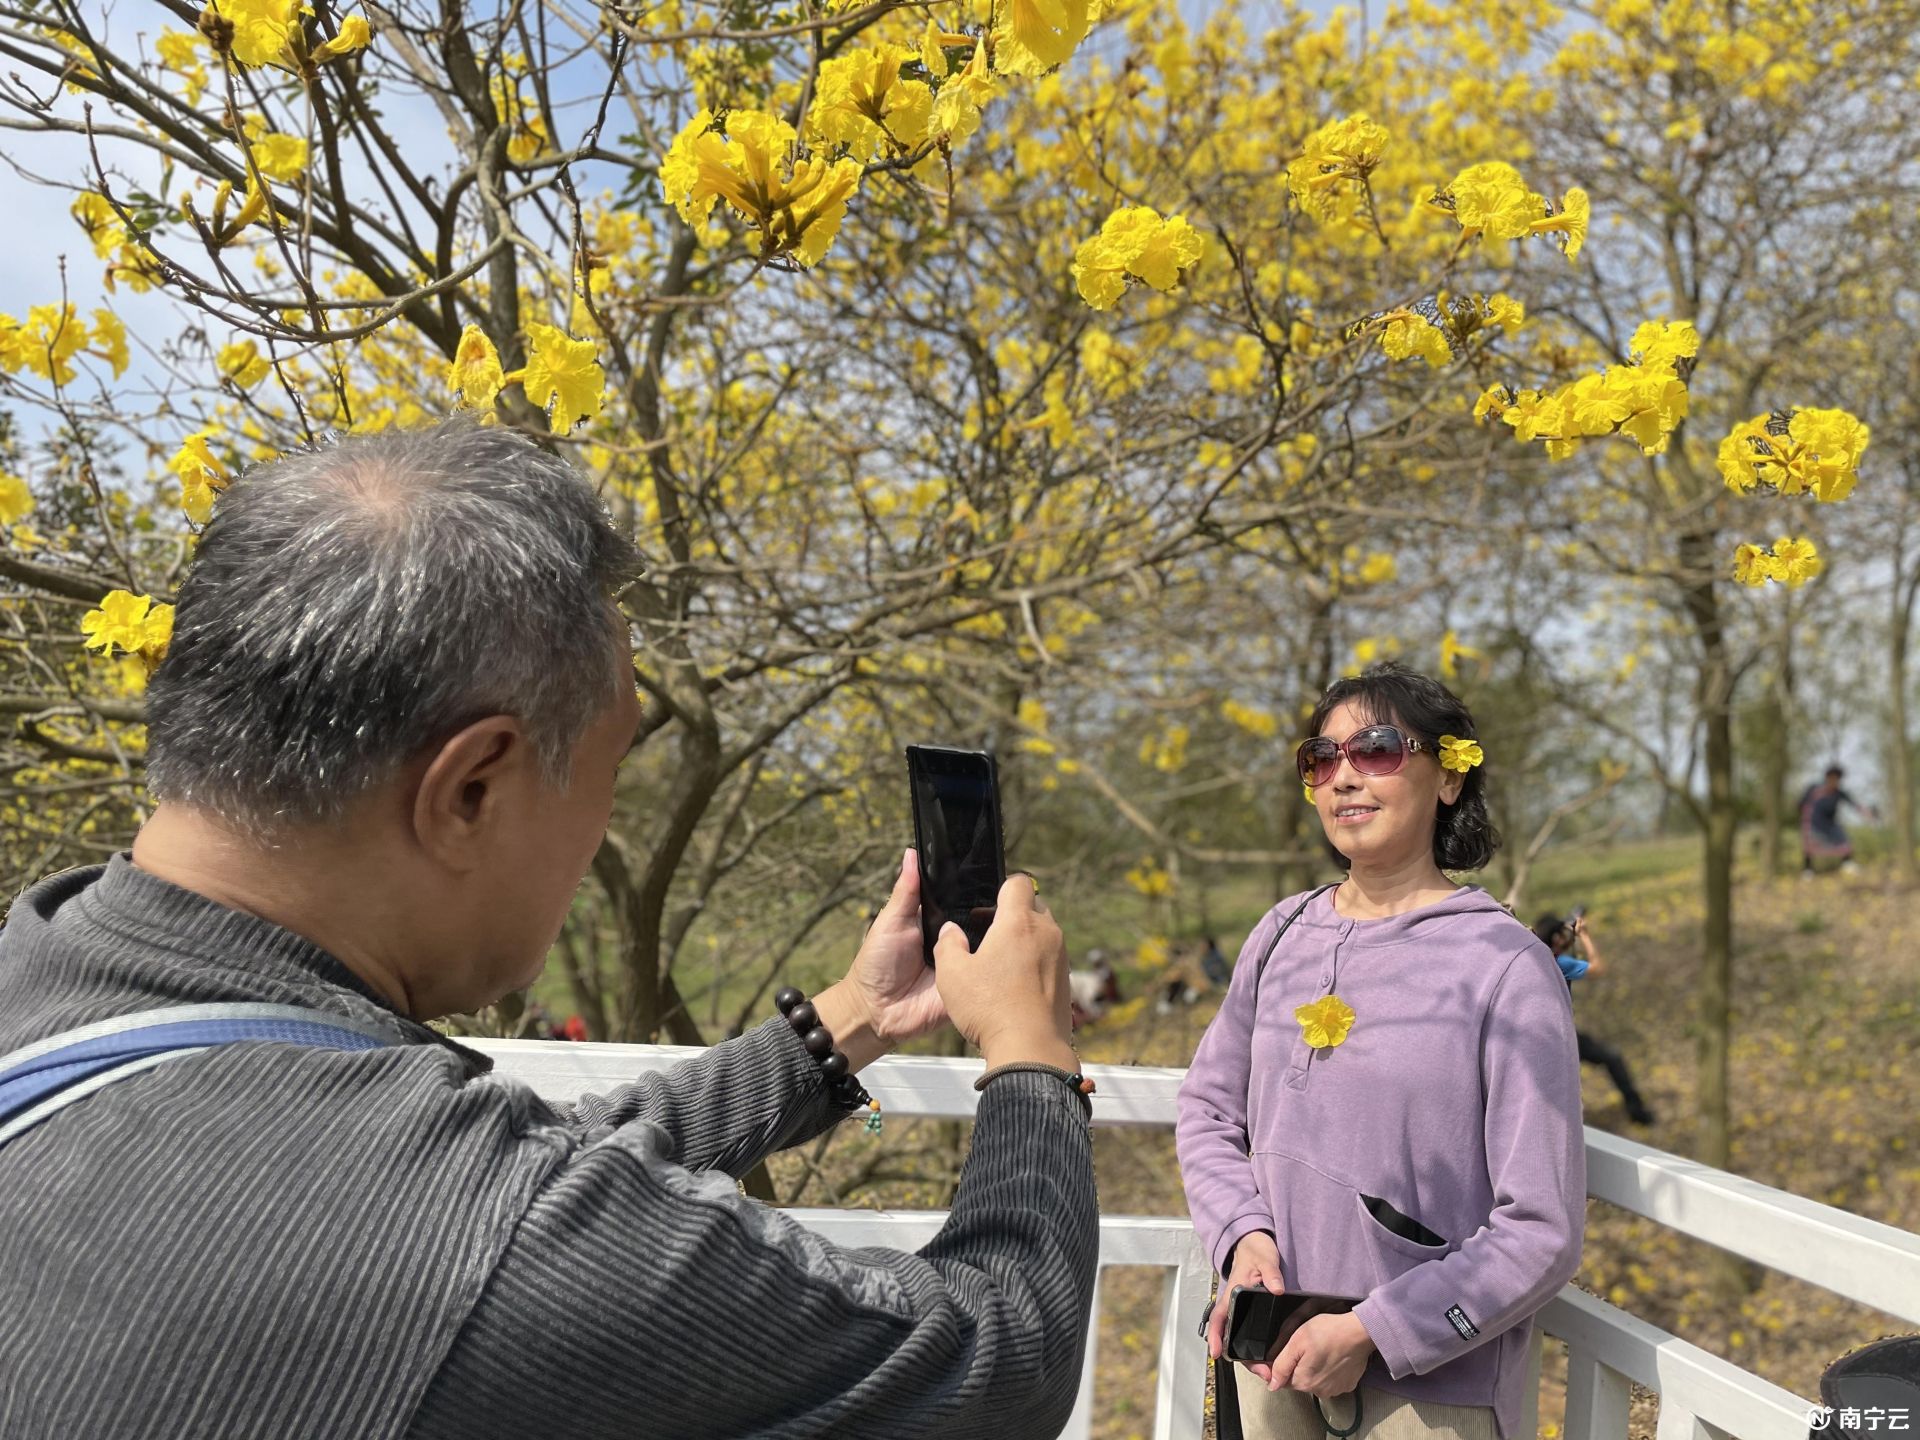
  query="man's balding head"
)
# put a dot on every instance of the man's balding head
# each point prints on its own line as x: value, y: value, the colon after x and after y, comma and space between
x: 351, y: 604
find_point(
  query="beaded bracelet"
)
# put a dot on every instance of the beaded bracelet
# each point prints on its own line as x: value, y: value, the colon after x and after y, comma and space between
x: 1073, y: 1079
x: 845, y: 1090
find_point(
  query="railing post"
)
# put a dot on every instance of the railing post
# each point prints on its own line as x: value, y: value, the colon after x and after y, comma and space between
x: 1530, y: 1394
x: 1180, y: 1394
x: 1599, y: 1399
x: 1679, y: 1423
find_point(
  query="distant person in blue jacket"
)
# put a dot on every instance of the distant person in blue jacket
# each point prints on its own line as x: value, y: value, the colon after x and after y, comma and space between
x: 1564, y: 934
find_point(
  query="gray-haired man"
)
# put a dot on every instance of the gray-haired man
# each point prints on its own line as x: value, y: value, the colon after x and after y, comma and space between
x: 383, y: 744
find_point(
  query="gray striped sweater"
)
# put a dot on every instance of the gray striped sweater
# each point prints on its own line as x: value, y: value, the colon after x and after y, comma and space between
x: 272, y: 1241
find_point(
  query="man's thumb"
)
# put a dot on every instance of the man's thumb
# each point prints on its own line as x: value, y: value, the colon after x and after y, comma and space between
x: 951, y: 940
x: 905, y: 898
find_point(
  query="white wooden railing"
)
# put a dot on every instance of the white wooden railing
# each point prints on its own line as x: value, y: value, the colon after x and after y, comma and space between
x: 1702, y: 1397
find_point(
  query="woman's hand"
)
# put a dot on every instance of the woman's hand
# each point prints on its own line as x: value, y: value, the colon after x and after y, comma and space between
x: 1325, y: 1357
x: 1255, y: 1266
x: 888, y: 994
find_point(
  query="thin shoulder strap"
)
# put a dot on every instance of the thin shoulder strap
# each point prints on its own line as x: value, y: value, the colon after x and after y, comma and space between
x: 1285, y: 925
x: 46, y: 1077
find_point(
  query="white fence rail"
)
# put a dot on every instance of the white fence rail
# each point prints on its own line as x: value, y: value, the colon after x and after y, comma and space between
x: 1702, y: 1397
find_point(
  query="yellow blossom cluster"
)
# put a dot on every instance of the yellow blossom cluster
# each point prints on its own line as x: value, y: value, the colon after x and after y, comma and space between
x: 256, y: 206
x: 1790, y: 562
x: 202, y: 474
x: 127, y: 260
x: 1135, y: 241
x: 860, y: 101
x: 16, y: 499
x: 273, y: 32
x: 1033, y: 36
x: 1252, y: 719
x: 131, y: 623
x: 1814, y: 452
x: 748, y: 159
x: 526, y: 127
x: 1166, y: 751
x: 1147, y: 878
x: 1491, y: 200
x: 1452, y: 652
x: 562, y: 376
x: 1644, y: 399
x: 243, y: 364
x: 179, y: 52
x: 1435, y: 329
x: 47, y: 343
x: 1334, y: 164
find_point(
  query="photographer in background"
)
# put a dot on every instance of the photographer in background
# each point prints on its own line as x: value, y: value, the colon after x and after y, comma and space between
x: 1564, y: 935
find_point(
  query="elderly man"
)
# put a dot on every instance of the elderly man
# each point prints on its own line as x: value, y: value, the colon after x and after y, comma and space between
x: 383, y: 748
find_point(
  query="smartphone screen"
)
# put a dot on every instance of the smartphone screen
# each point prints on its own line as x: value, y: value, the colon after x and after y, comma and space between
x: 956, y: 830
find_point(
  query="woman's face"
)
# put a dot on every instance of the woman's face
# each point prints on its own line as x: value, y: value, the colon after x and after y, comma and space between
x: 1382, y: 822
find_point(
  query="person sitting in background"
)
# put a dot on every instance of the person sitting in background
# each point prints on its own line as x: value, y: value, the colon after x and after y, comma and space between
x: 383, y: 745
x: 1822, y: 837
x: 1563, y: 935
x: 1387, y: 1105
x: 1093, y: 989
x: 1213, y: 965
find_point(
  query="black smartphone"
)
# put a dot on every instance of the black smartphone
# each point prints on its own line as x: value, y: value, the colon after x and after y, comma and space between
x: 1261, y: 1322
x: 957, y: 835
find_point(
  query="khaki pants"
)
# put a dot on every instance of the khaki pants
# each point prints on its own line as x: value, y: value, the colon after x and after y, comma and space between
x: 1289, y: 1415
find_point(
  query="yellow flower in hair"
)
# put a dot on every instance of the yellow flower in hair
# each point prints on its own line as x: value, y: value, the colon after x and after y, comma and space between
x: 1325, y: 1022
x: 1460, y: 755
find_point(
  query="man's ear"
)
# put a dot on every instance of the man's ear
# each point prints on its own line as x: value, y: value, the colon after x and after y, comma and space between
x: 462, y: 791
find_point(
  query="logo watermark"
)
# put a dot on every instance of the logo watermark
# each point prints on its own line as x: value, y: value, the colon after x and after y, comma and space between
x: 1872, y: 1417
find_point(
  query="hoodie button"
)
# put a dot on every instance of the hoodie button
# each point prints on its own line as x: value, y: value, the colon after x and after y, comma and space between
x: 1326, y: 979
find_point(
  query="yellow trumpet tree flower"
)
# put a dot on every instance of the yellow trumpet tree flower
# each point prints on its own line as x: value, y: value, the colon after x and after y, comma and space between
x: 1135, y: 241
x: 795, y: 204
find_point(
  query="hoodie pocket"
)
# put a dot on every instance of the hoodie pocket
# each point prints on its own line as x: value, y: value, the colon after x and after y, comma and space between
x: 1395, y: 1233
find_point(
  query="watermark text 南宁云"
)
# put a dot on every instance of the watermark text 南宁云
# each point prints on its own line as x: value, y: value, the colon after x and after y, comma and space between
x: 1871, y: 1417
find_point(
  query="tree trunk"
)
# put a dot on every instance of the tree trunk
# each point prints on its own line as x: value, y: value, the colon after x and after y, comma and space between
x: 1773, y: 788
x: 1900, y: 776
x: 1715, y: 698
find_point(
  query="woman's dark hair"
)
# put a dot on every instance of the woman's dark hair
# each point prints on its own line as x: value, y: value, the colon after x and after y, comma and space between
x: 1390, y: 694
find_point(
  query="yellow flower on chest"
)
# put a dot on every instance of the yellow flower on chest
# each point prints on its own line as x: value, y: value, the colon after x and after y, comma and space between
x: 1325, y: 1022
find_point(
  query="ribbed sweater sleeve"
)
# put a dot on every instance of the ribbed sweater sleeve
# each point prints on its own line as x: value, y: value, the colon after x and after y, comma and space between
x: 639, y: 1299
x: 726, y: 1109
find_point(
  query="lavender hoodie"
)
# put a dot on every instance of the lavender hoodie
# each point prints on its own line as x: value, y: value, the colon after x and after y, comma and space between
x: 1455, y: 1100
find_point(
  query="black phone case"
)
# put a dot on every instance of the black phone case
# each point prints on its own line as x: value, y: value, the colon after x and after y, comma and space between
x: 1253, y: 1326
x: 928, y: 937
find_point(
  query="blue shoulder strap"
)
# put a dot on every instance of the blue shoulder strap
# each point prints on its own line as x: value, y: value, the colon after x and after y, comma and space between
x: 51, y: 1074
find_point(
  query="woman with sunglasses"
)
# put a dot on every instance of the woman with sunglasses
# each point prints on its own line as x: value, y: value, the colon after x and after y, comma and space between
x: 1387, y: 1107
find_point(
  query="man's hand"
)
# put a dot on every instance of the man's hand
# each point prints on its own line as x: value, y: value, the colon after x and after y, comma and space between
x: 1010, y: 996
x: 888, y: 994
x: 1255, y: 1266
x: 1325, y: 1357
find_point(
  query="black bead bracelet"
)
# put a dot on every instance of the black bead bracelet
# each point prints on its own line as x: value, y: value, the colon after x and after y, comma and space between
x: 844, y: 1089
